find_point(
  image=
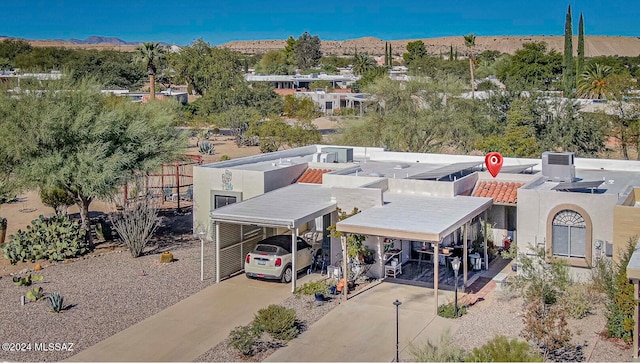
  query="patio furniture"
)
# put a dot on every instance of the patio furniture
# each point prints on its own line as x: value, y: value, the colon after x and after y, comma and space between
x: 392, y: 270
x: 168, y: 193
x: 188, y: 195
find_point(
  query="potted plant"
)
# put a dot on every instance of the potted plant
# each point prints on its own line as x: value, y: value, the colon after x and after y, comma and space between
x: 3, y: 229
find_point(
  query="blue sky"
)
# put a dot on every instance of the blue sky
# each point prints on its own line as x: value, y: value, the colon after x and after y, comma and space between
x: 219, y: 21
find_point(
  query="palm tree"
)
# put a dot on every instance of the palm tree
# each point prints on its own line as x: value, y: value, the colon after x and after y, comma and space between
x: 470, y: 42
x: 150, y: 55
x: 362, y: 63
x: 594, y: 82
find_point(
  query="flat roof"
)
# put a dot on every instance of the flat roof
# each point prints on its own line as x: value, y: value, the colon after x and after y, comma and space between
x: 613, y: 181
x: 287, y: 207
x: 447, y: 170
x: 416, y: 218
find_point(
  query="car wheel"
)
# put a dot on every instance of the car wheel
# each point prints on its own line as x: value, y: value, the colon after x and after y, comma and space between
x: 287, y: 275
x: 249, y: 276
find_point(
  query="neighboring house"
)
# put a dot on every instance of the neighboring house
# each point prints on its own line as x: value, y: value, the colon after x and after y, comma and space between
x: 330, y: 103
x: 182, y: 97
x: 299, y: 81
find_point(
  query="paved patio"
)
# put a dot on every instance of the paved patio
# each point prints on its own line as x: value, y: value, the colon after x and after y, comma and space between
x: 364, y: 328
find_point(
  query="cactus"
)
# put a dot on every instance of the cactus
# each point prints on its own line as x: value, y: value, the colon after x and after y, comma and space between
x: 55, y: 239
x: 34, y: 294
x: 56, y: 302
x: 206, y: 148
x: 27, y: 280
x: 166, y: 257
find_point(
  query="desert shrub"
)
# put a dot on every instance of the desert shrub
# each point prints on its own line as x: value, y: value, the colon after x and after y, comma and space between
x: 541, y: 277
x: 136, y: 224
x: 545, y: 325
x: 312, y: 288
x: 53, y: 238
x: 56, y: 198
x: 445, y: 351
x: 449, y: 310
x: 603, y: 277
x: 225, y: 158
x: 243, y: 338
x: 501, y: 349
x: 280, y: 322
x: 621, y: 304
x: 577, y: 301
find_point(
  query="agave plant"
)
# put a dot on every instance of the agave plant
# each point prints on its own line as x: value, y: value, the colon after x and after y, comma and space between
x: 56, y: 302
x: 206, y: 148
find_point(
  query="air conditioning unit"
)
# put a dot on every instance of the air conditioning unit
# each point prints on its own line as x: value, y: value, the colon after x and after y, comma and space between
x: 325, y: 157
x: 558, y: 167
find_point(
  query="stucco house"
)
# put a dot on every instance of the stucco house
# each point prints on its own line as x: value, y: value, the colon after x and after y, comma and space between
x: 415, y: 205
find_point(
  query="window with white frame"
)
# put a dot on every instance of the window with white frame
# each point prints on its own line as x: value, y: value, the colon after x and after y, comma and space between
x: 569, y: 234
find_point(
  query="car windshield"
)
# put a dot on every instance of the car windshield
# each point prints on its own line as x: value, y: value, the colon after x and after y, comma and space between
x: 266, y: 248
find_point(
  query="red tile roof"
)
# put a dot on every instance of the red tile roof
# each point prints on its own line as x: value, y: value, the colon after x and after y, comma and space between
x: 501, y: 192
x: 313, y: 176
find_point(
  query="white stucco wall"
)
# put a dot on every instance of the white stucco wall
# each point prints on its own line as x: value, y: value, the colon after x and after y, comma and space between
x: 535, y: 206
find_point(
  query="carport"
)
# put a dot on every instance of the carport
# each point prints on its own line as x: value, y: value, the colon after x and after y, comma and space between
x: 290, y: 207
x: 420, y: 218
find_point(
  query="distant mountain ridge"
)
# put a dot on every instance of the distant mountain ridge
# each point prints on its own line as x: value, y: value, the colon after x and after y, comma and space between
x: 94, y: 40
x: 595, y: 45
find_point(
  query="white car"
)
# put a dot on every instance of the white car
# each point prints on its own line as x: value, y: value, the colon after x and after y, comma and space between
x: 271, y: 258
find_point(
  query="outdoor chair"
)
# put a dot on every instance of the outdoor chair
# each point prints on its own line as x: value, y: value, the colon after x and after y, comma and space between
x: 168, y: 193
x: 188, y: 195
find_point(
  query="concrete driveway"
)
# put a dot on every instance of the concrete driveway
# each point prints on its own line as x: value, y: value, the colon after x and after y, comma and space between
x: 364, y: 328
x: 191, y: 327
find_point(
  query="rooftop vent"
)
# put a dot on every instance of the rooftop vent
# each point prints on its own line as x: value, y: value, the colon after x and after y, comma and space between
x: 558, y: 167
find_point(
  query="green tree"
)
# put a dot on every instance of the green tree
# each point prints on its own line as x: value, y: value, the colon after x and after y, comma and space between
x: 470, y: 42
x: 238, y: 119
x: 595, y: 82
x: 580, y: 59
x: 274, y: 62
x: 10, y: 49
x: 205, y: 68
x: 151, y: 55
x: 273, y: 134
x: 289, y: 50
x: 84, y: 142
x: 415, y: 50
x: 362, y: 63
x: 307, y: 51
x: 568, y: 71
x: 531, y: 66
x: 113, y: 69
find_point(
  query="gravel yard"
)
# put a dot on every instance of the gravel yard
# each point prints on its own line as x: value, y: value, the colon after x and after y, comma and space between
x: 106, y: 293
x: 501, y: 315
x: 110, y: 291
x: 307, y: 311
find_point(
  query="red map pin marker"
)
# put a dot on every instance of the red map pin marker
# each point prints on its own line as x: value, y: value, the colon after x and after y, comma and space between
x: 493, y: 161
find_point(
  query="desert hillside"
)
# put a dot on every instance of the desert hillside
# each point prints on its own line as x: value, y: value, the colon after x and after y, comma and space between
x: 594, y: 45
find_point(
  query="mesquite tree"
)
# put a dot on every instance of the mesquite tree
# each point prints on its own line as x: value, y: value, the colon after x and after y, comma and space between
x: 71, y: 136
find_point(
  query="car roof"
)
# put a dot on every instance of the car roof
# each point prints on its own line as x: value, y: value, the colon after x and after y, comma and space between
x: 282, y: 241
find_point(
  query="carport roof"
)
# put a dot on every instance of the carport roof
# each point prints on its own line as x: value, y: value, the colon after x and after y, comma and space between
x: 288, y: 207
x: 416, y: 218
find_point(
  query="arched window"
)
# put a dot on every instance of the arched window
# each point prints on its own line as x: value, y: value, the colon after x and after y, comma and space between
x: 569, y: 234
